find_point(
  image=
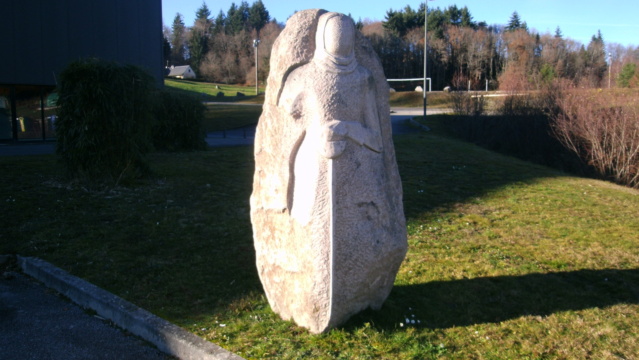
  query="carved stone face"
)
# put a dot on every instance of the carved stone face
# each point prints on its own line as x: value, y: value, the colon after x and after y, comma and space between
x: 339, y: 36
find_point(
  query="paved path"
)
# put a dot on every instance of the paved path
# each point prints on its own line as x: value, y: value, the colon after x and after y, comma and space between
x: 35, y: 323
x: 418, y: 111
x: 400, y: 120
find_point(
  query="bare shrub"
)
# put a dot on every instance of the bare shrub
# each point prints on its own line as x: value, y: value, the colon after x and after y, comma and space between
x: 513, y: 80
x: 519, y: 105
x: 229, y: 59
x: 519, y: 126
x: 603, y: 129
x: 534, y: 103
x: 467, y: 104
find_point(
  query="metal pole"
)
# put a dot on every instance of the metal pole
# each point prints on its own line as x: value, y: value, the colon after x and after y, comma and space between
x: 425, y: 51
x: 609, y: 68
x: 256, y: 42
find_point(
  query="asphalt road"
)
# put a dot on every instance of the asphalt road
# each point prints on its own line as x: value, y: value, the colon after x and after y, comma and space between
x: 400, y: 120
x: 36, y: 323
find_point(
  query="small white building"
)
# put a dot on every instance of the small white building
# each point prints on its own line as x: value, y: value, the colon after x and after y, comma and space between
x: 181, y: 72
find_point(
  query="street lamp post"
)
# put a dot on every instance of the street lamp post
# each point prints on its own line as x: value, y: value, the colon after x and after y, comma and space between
x: 256, y: 43
x: 425, y: 51
x: 609, y: 68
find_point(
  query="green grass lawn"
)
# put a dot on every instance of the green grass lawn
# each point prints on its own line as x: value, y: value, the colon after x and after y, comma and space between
x: 208, y: 91
x: 223, y: 117
x: 507, y: 260
x: 238, y: 114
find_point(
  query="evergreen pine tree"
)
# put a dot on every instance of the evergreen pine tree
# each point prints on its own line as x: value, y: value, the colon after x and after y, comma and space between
x: 233, y: 20
x: 514, y: 23
x: 467, y: 18
x: 436, y: 21
x: 394, y: 22
x: 203, y: 13
x: 220, y: 23
x: 258, y: 16
x: 453, y: 15
x: 595, y: 56
x: 178, y: 35
x: 199, y: 37
x: 237, y: 18
x: 166, y: 50
x: 627, y: 73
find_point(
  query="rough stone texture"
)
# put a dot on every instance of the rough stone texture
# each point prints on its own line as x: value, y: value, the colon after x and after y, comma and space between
x: 326, y: 208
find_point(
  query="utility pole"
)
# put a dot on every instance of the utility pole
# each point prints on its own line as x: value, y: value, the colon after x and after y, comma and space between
x: 256, y: 43
x: 425, y: 51
x: 609, y: 68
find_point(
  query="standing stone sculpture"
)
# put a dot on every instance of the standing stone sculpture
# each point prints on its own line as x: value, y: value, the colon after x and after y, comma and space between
x: 326, y: 208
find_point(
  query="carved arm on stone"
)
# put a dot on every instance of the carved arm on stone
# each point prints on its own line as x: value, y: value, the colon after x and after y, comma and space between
x: 335, y: 133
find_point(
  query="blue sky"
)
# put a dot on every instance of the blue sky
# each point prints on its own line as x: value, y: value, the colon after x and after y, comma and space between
x: 618, y: 20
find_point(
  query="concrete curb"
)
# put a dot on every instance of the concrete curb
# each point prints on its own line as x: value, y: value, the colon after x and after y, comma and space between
x: 168, y: 338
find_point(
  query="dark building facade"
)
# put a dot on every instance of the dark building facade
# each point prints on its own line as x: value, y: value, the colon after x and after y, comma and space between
x: 39, y: 38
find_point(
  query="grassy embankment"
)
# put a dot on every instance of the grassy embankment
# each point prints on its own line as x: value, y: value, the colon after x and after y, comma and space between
x: 208, y: 91
x: 507, y: 260
x: 228, y: 116
x: 238, y: 112
x: 436, y: 100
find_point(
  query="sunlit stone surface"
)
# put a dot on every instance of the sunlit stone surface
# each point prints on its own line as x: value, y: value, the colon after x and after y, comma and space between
x: 326, y: 208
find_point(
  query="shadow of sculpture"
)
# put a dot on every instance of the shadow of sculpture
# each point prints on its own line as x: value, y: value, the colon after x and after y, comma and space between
x: 446, y: 304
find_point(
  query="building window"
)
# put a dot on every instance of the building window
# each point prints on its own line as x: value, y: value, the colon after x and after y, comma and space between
x: 50, y: 112
x: 27, y: 112
x: 5, y: 113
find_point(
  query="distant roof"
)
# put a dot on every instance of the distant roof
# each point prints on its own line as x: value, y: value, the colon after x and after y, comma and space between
x: 180, y: 70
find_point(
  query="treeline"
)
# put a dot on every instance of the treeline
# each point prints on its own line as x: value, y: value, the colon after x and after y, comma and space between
x: 511, y: 56
x: 461, y: 51
x: 221, y: 49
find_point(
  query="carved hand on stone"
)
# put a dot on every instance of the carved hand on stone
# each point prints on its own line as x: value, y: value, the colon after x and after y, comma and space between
x: 333, y: 139
x: 336, y: 132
